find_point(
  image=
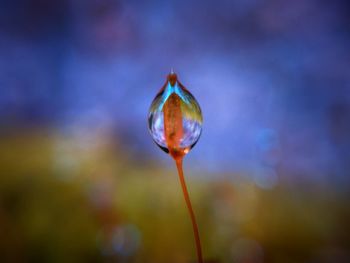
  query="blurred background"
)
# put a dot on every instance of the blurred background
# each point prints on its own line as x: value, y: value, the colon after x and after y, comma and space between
x: 81, y: 179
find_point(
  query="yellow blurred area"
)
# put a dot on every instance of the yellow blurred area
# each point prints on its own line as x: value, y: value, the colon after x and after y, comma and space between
x: 81, y: 198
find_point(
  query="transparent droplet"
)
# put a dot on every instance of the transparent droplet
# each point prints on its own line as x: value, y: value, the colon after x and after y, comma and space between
x: 175, y: 118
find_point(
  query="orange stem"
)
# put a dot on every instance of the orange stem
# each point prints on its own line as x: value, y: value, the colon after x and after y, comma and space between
x: 173, y: 133
x: 190, y: 209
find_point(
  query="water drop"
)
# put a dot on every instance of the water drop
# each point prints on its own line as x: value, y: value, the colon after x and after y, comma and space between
x: 175, y: 118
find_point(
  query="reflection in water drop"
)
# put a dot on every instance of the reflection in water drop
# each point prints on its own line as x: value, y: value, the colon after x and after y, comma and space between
x: 175, y: 118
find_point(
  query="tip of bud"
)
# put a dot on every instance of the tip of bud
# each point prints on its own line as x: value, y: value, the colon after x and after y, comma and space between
x: 172, y: 77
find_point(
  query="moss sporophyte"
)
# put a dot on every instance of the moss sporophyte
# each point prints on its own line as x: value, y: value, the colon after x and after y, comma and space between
x: 175, y: 123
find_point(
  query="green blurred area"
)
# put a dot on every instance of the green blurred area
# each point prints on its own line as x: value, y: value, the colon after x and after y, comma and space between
x: 82, y: 198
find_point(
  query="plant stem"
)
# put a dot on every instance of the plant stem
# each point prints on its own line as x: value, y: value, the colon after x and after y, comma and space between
x: 190, y: 209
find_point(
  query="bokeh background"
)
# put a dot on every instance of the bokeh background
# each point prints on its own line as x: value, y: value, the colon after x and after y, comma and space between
x: 81, y: 179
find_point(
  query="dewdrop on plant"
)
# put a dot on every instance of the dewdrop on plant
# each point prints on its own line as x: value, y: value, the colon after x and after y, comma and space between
x: 175, y: 118
x: 175, y: 123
